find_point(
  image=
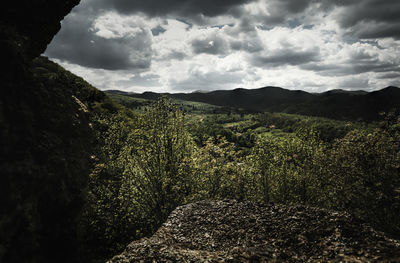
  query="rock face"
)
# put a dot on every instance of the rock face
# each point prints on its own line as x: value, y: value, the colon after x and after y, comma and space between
x: 26, y: 28
x: 230, y: 231
x: 36, y: 22
x: 45, y: 139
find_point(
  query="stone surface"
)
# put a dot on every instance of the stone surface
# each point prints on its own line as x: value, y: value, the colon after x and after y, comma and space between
x: 230, y: 231
x: 36, y: 22
x: 45, y: 139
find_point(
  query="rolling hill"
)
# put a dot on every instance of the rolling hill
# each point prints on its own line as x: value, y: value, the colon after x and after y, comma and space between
x: 335, y: 104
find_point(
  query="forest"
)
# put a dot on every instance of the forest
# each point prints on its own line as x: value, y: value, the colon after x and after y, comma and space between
x: 155, y: 155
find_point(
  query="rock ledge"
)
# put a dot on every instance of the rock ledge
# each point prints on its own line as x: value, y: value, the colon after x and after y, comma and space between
x: 231, y: 231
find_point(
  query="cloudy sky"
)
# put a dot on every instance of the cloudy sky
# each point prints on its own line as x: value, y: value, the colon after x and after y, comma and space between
x: 188, y: 45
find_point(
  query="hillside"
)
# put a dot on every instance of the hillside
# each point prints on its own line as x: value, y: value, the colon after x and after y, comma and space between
x: 45, y: 138
x: 335, y: 104
x: 46, y: 143
x: 230, y: 231
x: 188, y: 106
x: 255, y: 100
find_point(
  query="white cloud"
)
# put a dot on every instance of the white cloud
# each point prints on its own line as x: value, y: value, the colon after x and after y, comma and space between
x: 292, y: 44
x: 112, y: 25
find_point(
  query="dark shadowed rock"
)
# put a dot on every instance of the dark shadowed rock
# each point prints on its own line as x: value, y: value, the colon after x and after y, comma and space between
x: 35, y: 22
x: 45, y: 147
x: 45, y: 138
x: 26, y: 28
x: 230, y: 231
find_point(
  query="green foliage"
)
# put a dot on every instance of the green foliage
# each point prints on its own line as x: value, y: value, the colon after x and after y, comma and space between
x: 221, y: 171
x: 284, y: 167
x: 50, y: 74
x: 106, y: 224
x: 145, y: 169
x: 358, y: 173
x: 129, y: 102
x: 157, y: 158
x: 161, y: 160
x: 328, y: 129
x: 192, y: 107
x: 363, y: 177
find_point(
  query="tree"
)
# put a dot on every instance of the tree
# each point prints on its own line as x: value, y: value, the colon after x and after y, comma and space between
x: 284, y: 167
x: 363, y: 170
x: 144, y: 170
x: 160, y: 160
x: 222, y: 172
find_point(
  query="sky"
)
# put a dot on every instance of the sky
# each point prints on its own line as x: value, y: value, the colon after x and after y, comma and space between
x: 191, y: 45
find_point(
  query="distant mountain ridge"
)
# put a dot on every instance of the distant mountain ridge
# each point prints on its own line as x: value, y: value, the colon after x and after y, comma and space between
x: 335, y: 104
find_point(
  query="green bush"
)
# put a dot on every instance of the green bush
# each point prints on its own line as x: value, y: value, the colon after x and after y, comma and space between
x: 144, y: 170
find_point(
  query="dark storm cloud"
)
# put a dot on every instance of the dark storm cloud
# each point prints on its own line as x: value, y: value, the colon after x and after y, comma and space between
x: 389, y: 76
x: 286, y: 57
x: 185, y: 8
x: 363, y: 19
x: 77, y: 43
x: 376, y: 30
x: 288, y: 12
x: 371, y: 10
x: 293, y: 6
x: 282, y: 11
x: 372, y: 18
x: 353, y: 11
x: 329, y: 4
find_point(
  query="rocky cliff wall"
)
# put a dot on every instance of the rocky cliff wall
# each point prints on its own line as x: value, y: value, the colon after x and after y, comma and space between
x: 35, y: 22
x: 45, y: 139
